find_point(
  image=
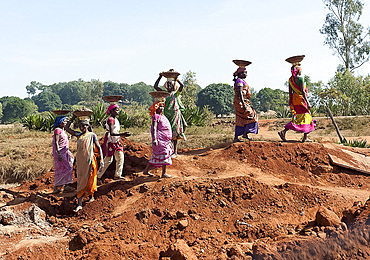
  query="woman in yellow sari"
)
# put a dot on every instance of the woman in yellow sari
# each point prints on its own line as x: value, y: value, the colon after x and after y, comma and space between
x: 88, y: 150
x: 302, y: 120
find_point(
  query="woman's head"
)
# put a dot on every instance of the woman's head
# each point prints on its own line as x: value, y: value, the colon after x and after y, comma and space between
x: 296, y: 70
x: 160, y: 108
x: 84, y: 125
x: 157, y: 107
x: 113, y: 110
x: 60, y: 121
x: 241, y: 72
x: 169, y: 85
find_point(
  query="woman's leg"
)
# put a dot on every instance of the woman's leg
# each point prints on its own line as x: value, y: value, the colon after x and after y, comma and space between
x: 174, y: 142
x: 79, y: 204
x: 146, y: 171
x: 305, y: 138
x: 120, y: 160
x: 164, y: 174
x: 107, y: 161
x: 282, y: 134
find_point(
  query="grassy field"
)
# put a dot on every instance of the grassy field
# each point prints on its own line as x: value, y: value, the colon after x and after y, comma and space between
x: 25, y: 155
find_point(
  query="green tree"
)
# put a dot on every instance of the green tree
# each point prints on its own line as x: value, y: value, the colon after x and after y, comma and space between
x: 34, y: 87
x: 94, y: 91
x: 218, y: 97
x: 344, y: 34
x: 1, y: 111
x: 347, y: 94
x: 271, y: 99
x: 112, y: 88
x: 70, y: 92
x: 139, y: 93
x: 15, y: 108
x: 47, y: 101
x: 189, y: 94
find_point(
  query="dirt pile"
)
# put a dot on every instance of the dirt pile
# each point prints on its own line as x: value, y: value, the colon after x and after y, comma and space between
x: 250, y: 200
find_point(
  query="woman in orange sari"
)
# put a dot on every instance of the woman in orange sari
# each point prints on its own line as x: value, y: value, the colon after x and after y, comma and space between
x: 88, y: 150
x: 302, y: 120
x: 246, y: 119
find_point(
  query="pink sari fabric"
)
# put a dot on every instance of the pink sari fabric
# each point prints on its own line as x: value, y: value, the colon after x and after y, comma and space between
x: 163, y: 151
x: 63, y: 169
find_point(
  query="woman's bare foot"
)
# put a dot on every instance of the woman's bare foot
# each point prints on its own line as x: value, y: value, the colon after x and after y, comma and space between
x: 166, y: 176
x: 77, y: 209
x: 148, y: 173
x: 306, y: 140
x: 236, y: 140
x: 282, y: 135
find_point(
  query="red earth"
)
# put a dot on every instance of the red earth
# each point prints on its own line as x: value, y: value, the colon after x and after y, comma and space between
x: 248, y: 200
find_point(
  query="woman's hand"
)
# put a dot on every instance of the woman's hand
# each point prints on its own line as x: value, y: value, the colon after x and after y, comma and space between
x: 155, y: 142
x: 125, y: 134
x: 101, y: 164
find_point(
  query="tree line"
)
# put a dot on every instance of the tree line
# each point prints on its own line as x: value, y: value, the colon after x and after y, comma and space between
x: 345, y: 94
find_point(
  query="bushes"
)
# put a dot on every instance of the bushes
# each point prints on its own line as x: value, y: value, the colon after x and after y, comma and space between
x: 41, y: 122
x: 198, y: 117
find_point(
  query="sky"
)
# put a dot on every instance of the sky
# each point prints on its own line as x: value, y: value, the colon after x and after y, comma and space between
x: 131, y: 41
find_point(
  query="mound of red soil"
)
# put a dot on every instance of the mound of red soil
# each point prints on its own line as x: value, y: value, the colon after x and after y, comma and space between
x: 241, y: 201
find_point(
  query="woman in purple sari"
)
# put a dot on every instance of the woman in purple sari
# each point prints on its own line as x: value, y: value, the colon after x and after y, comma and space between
x: 63, y: 158
x: 161, y: 131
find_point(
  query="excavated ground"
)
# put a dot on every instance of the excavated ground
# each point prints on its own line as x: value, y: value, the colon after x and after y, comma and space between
x: 250, y: 200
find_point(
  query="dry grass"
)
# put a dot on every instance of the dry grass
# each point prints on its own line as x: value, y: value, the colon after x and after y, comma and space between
x: 24, y: 155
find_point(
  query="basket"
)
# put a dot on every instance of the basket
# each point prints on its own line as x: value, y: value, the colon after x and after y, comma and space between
x: 113, y: 98
x: 159, y: 94
x: 170, y: 74
x: 61, y: 112
x: 242, y: 63
x: 83, y: 112
x: 295, y: 60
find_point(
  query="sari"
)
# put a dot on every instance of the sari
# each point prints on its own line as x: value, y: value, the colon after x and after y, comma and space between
x: 63, y: 169
x: 173, y: 111
x: 302, y: 120
x: 163, y: 151
x: 86, y: 164
x: 246, y: 121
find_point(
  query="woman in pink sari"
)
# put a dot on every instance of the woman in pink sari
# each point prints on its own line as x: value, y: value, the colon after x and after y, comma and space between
x: 161, y: 131
x: 302, y: 120
x: 63, y: 158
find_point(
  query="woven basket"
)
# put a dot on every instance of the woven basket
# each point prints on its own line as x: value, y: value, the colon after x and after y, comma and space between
x: 295, y: 60
x: 83, y: 112
x: 112, y: 98
x: 242, y: 63
x: 170, y: 74
x: 159, y: 94
x: 61, y: 112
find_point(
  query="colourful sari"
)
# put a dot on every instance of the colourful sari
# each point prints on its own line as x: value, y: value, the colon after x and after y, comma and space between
x: 246, y: 121
x: 86, y: 164
x: 302, y: 120
x: 173, y: 111
x: 163, y: 151
x: 63, y: 168
x: 111, y: 143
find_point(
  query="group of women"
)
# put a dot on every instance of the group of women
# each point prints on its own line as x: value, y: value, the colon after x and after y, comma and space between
x: 246, y: 121
x: 166, y: 130
x: 168, y: 126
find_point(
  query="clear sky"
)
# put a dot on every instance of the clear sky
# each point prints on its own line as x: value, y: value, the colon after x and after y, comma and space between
x: 131, y: 41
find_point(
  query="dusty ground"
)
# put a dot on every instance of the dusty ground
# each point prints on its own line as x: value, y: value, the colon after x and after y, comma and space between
x: 250, y: 200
